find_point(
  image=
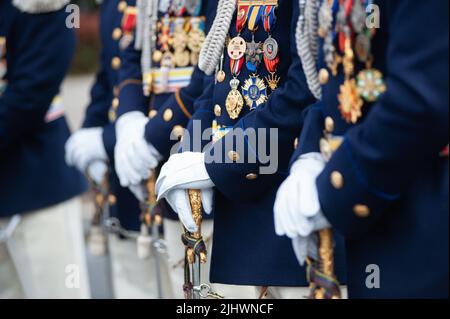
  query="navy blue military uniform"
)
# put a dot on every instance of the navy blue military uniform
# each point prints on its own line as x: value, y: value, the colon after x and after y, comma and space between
x: 170, y: 110
x: 116, y: 18
x: 36, y: 50
x: 246, y: 250
x: 386, y: 187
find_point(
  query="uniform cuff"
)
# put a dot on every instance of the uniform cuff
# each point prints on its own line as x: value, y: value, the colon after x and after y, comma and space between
x: 346, y: 198
x: 236, y: 175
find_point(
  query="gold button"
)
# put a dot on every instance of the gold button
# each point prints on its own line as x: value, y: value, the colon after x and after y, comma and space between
x: 112, y: 200
x: 251, y: 176
x: 329, y: 124
x: 122, y: 6
x: 117, y: 34
x: 115, y: 63
x: 112, y: 116
x: 295, y: 143
x: 324, y: 76
x: 115, y: 103
x: 234, y: 156
x: 168, y: 115
x: 361, y: 211
x: 217, y: 110
x: 337, y: 180
x: 152, y: 113
x: 178, y: 131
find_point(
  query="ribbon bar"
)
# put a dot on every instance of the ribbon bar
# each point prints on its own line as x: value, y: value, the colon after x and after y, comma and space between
x: 258, y: 2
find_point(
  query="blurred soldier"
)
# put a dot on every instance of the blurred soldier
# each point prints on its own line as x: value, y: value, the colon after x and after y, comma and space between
x: 91, y: 150
x: 159, y: 84
x: 36, y: 48
x: 259, y: 84
x: 371, y: 158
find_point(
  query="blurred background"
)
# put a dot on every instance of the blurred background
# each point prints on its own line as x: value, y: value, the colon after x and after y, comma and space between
x: 75, y: 91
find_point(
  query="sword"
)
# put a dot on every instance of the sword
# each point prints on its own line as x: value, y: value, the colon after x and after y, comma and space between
x: 98, y: 239
x: 195, y: 253
x: 151, y: 219
x: 323, y: 282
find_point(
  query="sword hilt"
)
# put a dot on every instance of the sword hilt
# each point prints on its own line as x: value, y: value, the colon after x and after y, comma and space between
x: 195, y: 200
x: 329, y: 288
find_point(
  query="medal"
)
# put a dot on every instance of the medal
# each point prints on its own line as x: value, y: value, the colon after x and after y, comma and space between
x: 253, y: 55
x: 370, y: 83
x: 350, y: 103
x: 234, y: 102
x: 168, y: 60
x: 358, y: 16
x: 182, y: 58
x: 237, y: 48
x: 271, y: 61
x: 362, y: 47
x: 255, y: 92
x: 271, y: 48
x: 196, y: 35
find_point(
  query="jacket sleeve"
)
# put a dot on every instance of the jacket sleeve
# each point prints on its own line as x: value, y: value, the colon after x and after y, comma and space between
x: 194, y: 139
x: 101, y: 97
x: 263, y: 160
x: 180, y: 105
x: 404, y: 131
x: 43, y: 49
x: 130, y: 93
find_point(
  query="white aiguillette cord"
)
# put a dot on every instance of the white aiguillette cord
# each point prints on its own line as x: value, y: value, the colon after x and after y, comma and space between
x: 307, y: 46
x: 215, y: 41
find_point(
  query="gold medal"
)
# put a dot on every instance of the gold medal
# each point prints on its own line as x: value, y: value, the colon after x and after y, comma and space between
x: 350, y: 102
x: 182, y: 58
x: 157, y: 56
x: 234, y: 102
x: 194, y: 58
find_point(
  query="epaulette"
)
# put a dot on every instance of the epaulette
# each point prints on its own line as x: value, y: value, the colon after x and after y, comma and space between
x: 39, y: 6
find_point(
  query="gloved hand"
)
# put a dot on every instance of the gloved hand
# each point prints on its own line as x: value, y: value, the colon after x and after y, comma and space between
x: 183, y: 172
x: 97, y: 171
x: 85, y: 147
x: 297, y: 209
x: 134, y: 156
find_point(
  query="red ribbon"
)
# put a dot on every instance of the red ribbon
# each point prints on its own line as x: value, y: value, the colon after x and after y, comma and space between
x: 236, y: 66
x: 272, y: 65
x: 241, y: 17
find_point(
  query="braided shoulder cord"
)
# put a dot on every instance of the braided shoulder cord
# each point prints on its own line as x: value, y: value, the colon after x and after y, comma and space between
x: 307, y: 47
x: 215, y: 41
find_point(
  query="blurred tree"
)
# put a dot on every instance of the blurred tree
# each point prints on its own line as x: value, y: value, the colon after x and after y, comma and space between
x: 88, y: 46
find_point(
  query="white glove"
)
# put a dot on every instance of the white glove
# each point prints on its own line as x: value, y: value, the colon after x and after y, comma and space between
x: 85, y: 147
x: 297, y: 207
x: 183, y: 172
x: 134, y: 156
x: 97, y: 171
